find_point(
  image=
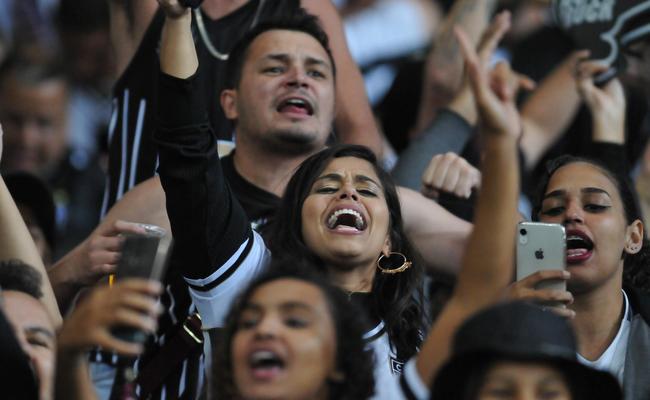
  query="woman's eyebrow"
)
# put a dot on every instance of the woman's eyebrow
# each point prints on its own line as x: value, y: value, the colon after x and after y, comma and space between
x: 364, y: 178
x: 295, y: 305
x: 562, y: 192
x: 252, y: 307
x: 555, y: 193
x: 40, y: 330
x: 338, y: 177
x: 595, y: 190
x: 332, y: 176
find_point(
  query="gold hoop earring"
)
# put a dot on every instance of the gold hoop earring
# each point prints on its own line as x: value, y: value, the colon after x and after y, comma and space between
x: 406, y: 264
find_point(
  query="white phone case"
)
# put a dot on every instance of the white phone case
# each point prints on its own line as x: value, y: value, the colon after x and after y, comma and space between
x: 541, y: 246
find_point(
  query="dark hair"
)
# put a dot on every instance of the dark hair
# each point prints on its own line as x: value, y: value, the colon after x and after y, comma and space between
x: 298, y: 21
x: 32, y: 192
x: 353, y: 359
x: 32, y: 70
x: 635, y: 271
x: 84, y: 17
x: 19, y: 276
x: 397, y: 298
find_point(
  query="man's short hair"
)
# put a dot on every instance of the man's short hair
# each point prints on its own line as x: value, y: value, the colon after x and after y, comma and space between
x: 19, y: 276
x: 31, y: 70
x: 298, y: 21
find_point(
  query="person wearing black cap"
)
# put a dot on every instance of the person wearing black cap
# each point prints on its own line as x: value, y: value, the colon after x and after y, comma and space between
x: 519, y: 351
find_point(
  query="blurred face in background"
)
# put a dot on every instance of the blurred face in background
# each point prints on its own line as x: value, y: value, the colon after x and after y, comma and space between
x: 90, y: 58
x: 33, y: 117
x: 285, y: 343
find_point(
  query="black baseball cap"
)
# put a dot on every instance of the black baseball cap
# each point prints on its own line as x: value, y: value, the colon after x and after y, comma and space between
x: 31, y: 191
x: 524, y: 332
x: 604, y: 28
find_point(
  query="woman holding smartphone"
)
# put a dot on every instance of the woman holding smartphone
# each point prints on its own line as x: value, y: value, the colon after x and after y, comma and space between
x: 607, y: 253
x: 606, y: 259
x: 339, y: 212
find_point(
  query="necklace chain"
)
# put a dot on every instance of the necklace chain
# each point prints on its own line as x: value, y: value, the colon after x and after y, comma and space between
x: 206, y: 38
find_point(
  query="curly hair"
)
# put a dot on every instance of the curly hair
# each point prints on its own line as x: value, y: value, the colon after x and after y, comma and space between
x: 398, y: 299
x: 19, y: 276
x: 635, y: 266
x: 353, y: 359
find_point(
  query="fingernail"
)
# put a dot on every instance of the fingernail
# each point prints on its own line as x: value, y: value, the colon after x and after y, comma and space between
x: 566, y: 274
x: 156, y: 286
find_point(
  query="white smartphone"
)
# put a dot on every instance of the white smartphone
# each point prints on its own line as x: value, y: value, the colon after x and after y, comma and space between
x: 540, y: 247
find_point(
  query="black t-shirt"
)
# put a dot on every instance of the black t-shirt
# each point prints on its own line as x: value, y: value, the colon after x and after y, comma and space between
x: 218, y: 252
x: 132, y: 154
x: 259, y: 205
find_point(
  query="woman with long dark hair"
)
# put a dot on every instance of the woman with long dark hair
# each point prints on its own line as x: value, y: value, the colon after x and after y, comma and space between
x: 607, y: 258
x: 607, y: 251
x: 393, y: 297
x: 340, y: 211
x: 341, y: 216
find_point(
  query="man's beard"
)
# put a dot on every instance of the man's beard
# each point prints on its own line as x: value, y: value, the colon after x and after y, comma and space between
x: 292, y: 143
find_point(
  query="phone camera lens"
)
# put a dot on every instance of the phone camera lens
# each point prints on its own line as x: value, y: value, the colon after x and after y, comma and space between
x: 523, y: 232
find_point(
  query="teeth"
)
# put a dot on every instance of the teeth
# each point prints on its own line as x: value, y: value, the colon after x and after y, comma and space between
x: 331, y: 222
x: 576, y: 252
x: 298, y: 102
x: 575, y: 241
x: 262, y: 355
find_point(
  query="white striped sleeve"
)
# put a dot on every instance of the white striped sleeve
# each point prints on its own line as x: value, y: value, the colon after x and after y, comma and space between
x: 411, y: 383
x: 213, y: 295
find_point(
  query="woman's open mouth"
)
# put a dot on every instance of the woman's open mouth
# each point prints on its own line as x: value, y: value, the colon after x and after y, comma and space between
x: 266, y: 365
x: 579, y: 247
x: 346, y: 220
